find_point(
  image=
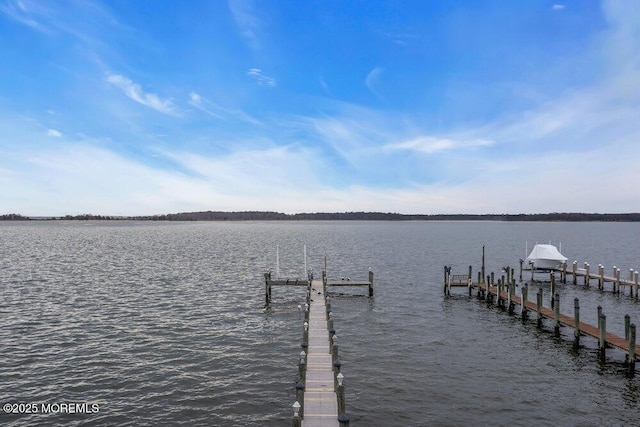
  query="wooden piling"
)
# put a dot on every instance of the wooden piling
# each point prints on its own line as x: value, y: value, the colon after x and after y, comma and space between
x: 627, y: 322
x: 575, y: 270
x: 556, y: 315
x: 370, y: 283
x: 525, y: 296
x: 521, y: 263
x: 576, y: 317
x: 632, y: 349
x: 600, y: 277
x: 602, y: 342
x: 553, y: 289
x: 586, y: 276
x: 539, y: 306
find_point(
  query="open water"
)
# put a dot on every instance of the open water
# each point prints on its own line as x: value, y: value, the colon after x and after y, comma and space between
x: 145, y: 323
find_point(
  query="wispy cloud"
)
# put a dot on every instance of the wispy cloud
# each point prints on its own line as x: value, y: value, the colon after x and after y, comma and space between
x: 260, y: 77
x: 557, y: 7
x: 135, y: 92
x: 372, y: 80
x: 245, y: 18
x: 430, y: 144
x: 218, y: 112
x: 19, y: 12
x: 54, y: 133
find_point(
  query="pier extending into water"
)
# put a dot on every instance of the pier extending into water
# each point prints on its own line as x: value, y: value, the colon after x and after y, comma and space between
x: 320, y: 395
x: 504, y: 294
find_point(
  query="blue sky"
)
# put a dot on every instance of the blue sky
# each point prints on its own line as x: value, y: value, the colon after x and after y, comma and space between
x: 150, y: 107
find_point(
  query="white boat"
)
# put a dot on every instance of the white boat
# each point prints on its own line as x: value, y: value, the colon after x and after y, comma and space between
x: 545, y: 257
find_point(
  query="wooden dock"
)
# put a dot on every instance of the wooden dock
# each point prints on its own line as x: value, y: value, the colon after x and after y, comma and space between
x: 619, y: 283
x: 320, y: 399
x: 269, y: 283
x: 320, y: 395
x: 505, y: 297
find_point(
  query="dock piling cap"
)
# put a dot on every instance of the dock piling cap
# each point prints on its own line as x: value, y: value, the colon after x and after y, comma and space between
x: 296, y: 408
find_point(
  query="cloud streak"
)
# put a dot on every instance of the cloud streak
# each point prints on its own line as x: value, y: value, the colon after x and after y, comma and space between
x: 135, y: 92
x: 262, y: 79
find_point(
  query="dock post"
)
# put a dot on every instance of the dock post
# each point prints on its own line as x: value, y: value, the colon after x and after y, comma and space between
x: 615, y: 279
x: 563, y: 273
x: 296, y: 421
x: 445, y: 279
x: 300, y: 396
x: 479, y: 284
x: 599, y: 314
x: 340, y: 393
x: 553, y: 289
x: 500, y: 301
x: 635, y: 282
x: 586, y: 276
x: 627, y: 322
x: 302, y: 368
x: 600, y: 276
x: 533, y: 269
x: 267, y: 288
x: 575, y: 272
x: 556, y: 315
x: 632, y: 349
x: 512, y: 289
x: 631, y: 282
x: 539, y: 306
x: 521, y: 262
x: 493, y: 283
x: 525, y: 295
x: 370, y: 283
x: 603, y: 337
x: 576, y: 317
x: 488, y: 296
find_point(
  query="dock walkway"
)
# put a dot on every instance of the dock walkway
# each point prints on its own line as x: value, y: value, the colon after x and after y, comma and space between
x: 320, y: 399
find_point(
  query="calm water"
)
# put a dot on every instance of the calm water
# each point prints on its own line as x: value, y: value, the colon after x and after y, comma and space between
x: 164, y: 323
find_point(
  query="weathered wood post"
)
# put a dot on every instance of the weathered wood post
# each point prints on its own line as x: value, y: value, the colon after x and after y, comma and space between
x: 512, y: 288
x: 617, y: 285
x: 575, y: 272
x: 499, y: 295
x: 556, y: 315
x: 599, y: 314
x: 340, y: 393
x: 563, y: 272
x: 576, y: 317
x: 602, y: 343
x: 533, y: 269
x: 302, y: 367
x: 615, y: 279
x: 632, y: 349
x: 586, y: 275
x: 267, y: 287
x: 300, y: 397
x: 296, y: 421
x: 525, y: 296
x: 635, y: 282
x: 521, y: 263
x: 539, y: 306
x: 370, y: 283
x: 631, y: 282
x: 600, y: 276
x: 553, y: 289
x: 627, y: 323
x: 489, y: 297
x: 482, y: 268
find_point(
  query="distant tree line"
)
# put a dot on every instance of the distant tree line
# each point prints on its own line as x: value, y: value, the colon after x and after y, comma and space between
x: 13, y: 217
x: 352, y: 216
